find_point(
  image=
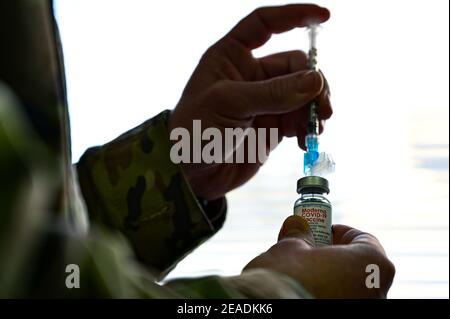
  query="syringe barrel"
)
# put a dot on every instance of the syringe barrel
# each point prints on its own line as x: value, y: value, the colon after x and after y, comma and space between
x: 313, y: 120
x: 312, y: 59
x: 312, y: 53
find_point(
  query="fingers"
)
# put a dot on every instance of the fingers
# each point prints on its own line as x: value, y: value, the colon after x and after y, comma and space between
x: 372, y: 251
x: 294, y: 123
x: 325, y: 110
x: 281, y: 64
x: 346, y: 235
x: 297, y: 227
x: 278, y: 95
x: 267, y: 122
x: 256, y: 29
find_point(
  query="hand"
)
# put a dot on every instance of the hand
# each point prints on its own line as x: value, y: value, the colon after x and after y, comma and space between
x: 337, y: 271
x: 232, y: 89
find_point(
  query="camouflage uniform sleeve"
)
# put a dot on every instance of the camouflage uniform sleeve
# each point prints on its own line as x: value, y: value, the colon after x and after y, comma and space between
x: 101, y: 265
x: 254, y: 283
x: 131, y: 185
x: 44, y: 256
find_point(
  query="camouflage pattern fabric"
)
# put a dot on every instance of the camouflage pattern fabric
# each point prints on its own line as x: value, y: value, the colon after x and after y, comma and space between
x: 137, y: 216
x: 130, y: 184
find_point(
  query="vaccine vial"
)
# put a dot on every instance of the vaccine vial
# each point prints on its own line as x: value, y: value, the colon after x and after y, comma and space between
x: 315, y: 207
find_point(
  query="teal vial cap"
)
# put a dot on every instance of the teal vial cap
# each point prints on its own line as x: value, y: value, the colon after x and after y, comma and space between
x: 312, y: 184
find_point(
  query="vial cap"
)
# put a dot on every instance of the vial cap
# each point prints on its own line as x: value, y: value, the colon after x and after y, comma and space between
x: 312, y: 184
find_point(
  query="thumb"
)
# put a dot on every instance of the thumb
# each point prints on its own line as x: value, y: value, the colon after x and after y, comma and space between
x: 297, y: 227
x: 281, y: 94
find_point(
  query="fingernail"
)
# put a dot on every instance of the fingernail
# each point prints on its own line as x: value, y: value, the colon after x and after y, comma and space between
x: 294, y: 225
x: 309, y: 82
x: 297, y: 227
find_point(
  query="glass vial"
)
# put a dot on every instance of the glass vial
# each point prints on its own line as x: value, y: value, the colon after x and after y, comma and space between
x: 315, y: 207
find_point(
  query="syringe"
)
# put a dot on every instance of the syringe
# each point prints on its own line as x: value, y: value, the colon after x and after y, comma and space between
x: 312, y: 136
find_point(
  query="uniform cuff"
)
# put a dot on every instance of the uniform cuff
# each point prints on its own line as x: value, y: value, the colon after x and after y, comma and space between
x: 131, y: 184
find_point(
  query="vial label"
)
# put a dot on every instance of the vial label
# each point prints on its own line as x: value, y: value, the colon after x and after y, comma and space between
x: 318, y: 216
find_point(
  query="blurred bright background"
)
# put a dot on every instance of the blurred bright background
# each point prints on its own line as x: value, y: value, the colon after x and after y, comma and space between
x: 387, y: 63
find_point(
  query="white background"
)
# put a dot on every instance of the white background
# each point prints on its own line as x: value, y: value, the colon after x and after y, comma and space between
x: 387, y: 65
